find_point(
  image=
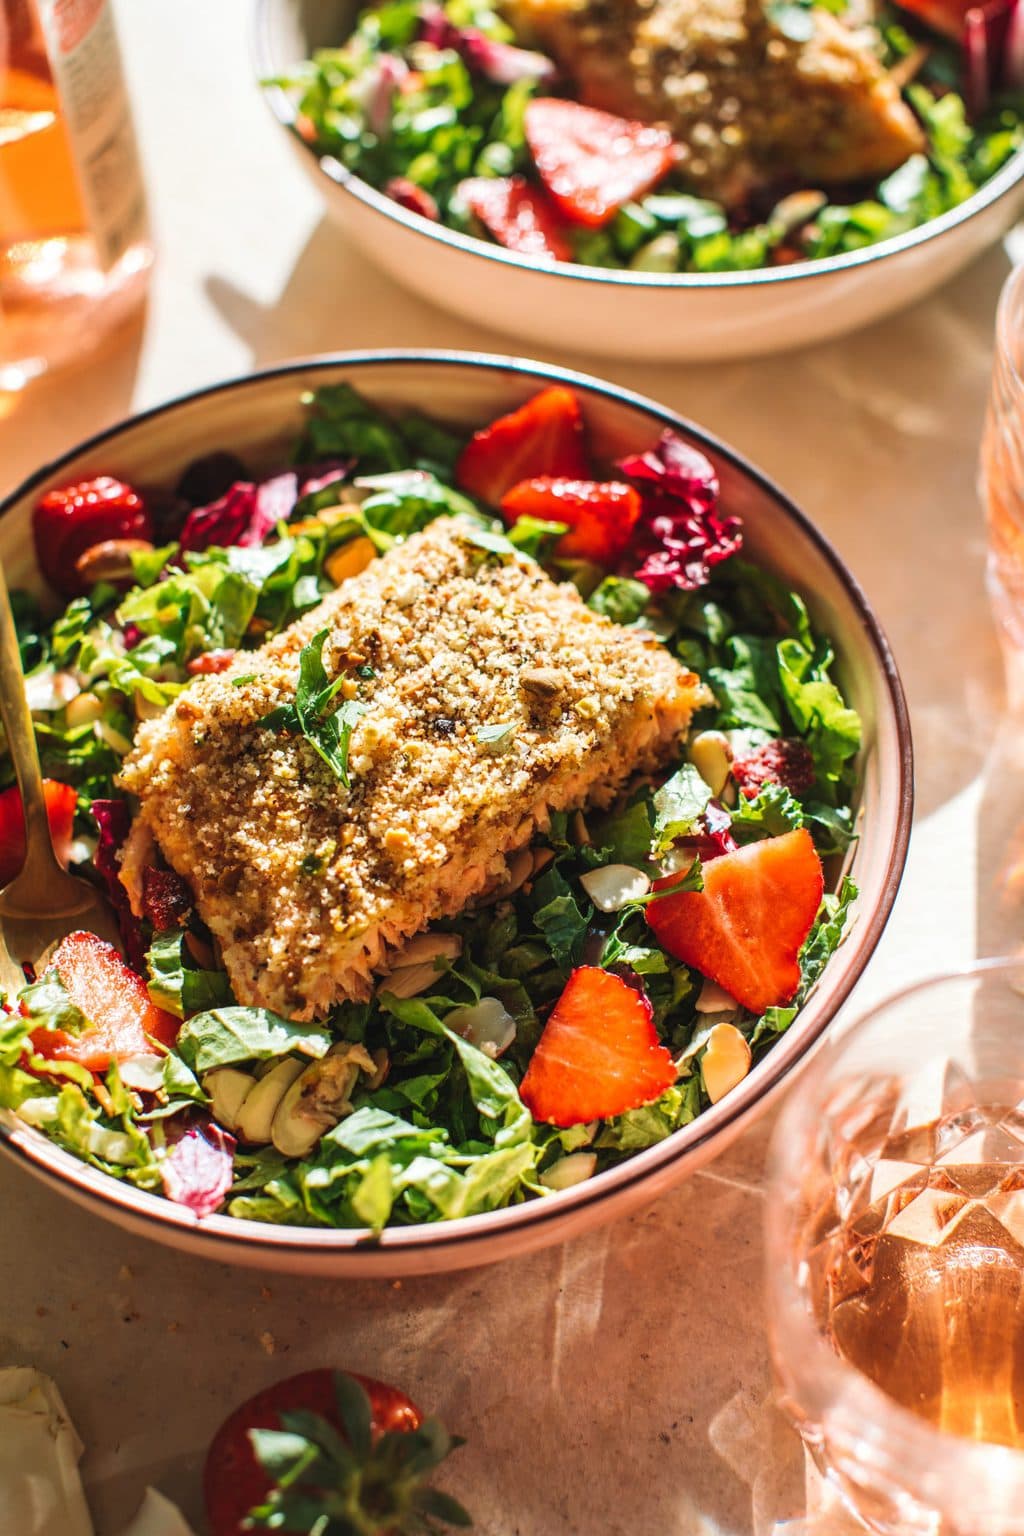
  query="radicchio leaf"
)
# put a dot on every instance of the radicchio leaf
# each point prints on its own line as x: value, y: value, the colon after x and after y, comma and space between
x: 246, y: 515
x: 198, y: 1169
x: 681, y: 533
x: 377, y: 91
x: 715, y: 838
x: 113, y: 820
x: 501, y: 63
x: 992, y: 38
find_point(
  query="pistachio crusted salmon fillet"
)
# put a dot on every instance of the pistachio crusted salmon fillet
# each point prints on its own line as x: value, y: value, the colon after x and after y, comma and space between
x: 746, y: 101
x: 492, y: 697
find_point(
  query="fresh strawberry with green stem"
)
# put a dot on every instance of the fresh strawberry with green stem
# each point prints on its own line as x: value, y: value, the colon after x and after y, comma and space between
x: 592, y: 162
x: 61, y: 801
x: 520, y: 217
x: 122, y: 1020
x: 599, y: 1054
x: 600, y: 515
x: 746, y: 928
x: 328, y: 1446
x: 543, y: 437
x: 73, y: 518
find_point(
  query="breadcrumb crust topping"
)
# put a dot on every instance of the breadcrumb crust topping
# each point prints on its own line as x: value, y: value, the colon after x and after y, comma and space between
x: 496, y: 696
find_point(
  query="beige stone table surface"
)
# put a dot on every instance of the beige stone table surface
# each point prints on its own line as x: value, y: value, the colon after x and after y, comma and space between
x: 620, y: 1384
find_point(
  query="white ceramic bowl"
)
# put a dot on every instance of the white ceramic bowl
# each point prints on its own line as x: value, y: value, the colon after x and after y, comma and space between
x: 635, y: 315
x: 259, y: 418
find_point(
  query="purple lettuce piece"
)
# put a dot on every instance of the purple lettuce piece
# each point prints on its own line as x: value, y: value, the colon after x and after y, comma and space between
x: 131, y: 634
x: 993, y: 48
x: 113, y: 820
x: 501, y: 63
x: 681, y: 534
x: 716, y: 837
x: 198, y: 1169
x: 378, y: 92
x: 314, y: 478
x: 246, y: 515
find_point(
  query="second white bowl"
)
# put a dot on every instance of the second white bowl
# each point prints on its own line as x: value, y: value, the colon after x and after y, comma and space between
x: 636, y: 315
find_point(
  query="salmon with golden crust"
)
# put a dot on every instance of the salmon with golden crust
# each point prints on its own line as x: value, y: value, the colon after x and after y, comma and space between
x: 493, y: 696
x: 747, y: 101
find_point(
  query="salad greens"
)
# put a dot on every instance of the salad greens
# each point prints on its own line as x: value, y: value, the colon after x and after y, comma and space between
x: 421, y: 99
x: 426, y: 1123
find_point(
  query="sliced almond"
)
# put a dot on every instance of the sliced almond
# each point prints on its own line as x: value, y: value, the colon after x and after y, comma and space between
x: 228, y: 1089
x: 84, y: 709
x: 711, y: 755
x: 256, y: 1115
x: 569, y: 1171
x: 487, y: 1024
x: 614, y: 886
x: 726, y: 1061
x: 318, y: 1098
x: 409, y: 980
x: 520, y: 868
x: 715, y: 999
x: 426, y: 946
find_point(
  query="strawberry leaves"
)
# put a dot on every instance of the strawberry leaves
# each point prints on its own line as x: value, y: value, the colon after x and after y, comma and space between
x: 350, y: 1482
x: 328, y: 732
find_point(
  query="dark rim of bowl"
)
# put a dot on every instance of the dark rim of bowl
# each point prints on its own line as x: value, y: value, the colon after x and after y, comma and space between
x: 220, y: 1232
x: 1005, y: 179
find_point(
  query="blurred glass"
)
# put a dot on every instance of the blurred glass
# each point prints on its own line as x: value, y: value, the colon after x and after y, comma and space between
x: 1002, y: 462
x: 74, y: 245
x: 895, y: 1234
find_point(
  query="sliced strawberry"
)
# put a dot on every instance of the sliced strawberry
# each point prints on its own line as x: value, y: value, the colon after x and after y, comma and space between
x: 71, y: 519
x: 61, y: 800
x: 113, y: 999
x: 601, y: 516
x: 591, y: 162
x: 746, y: 927
x: 599, y: 1054
x: 408, y: 195
x: 520, y: 217
x: 544, y: 437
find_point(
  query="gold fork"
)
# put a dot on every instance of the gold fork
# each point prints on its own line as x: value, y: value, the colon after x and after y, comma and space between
x: 43, y: 903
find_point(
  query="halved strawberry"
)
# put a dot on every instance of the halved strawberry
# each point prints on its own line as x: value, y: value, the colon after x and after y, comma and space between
x: 113, y: 999
x: 520, y: 217
x: 60, y: 799
x: 70, y: 519
x: 591, y: 162
x: 599, y: 1054
x: 746, y: 927
x: 544, y: 437
x: 601, y: 515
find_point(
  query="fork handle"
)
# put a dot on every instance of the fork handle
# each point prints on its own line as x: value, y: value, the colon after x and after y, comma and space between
x: 40, y: 858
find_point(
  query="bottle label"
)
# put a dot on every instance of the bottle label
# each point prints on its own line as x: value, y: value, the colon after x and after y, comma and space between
x: 85, y: 61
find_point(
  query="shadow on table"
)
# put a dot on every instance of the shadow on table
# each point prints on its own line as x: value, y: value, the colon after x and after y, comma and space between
x: 587, y: 1379
x: 84, y: 399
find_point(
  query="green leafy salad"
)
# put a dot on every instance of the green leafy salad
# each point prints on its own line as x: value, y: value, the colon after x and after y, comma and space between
x: 589, y: 1005
x: 456, y: 112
